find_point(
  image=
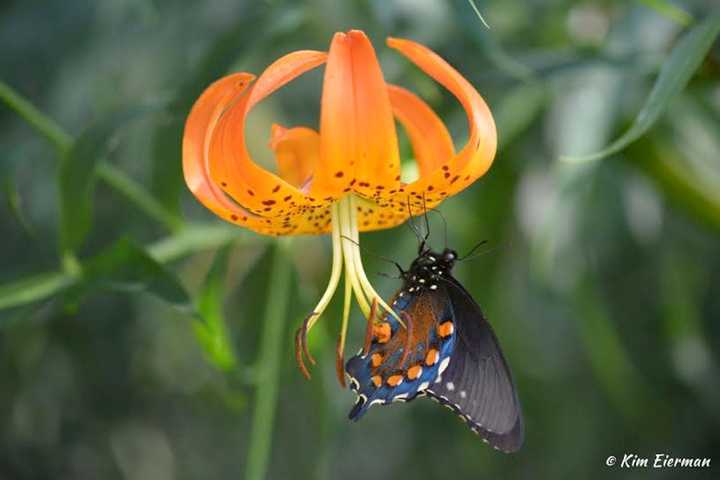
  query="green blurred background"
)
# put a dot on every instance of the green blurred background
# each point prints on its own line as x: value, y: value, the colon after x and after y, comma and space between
x: 122, y: 357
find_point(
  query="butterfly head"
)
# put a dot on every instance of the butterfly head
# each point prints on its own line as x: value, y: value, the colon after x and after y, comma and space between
x: 427, y: 259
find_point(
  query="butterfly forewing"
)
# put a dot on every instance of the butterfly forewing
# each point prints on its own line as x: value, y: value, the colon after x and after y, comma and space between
x: 478, y: 383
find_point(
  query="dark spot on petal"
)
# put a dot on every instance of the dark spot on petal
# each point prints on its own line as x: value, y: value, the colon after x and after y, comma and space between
x: 234, y: 217
x: 268, y: 202
x: 277, y: 187
x: 339, y: 174
x: 251, y: 193
x: 430, y: 188
x: 455, y: 178
x: 287, y: 198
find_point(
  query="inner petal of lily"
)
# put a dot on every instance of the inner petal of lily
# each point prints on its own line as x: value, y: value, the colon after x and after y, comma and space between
x: 346, y: 253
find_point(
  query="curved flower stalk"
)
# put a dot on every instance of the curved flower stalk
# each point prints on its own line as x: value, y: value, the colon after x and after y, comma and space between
x: 344, y: 178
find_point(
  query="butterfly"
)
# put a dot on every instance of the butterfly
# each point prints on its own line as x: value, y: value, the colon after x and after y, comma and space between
x: 443, y: 348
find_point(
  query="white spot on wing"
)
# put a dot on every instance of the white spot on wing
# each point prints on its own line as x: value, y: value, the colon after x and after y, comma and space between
x: 444, y: 364
x: 354, y: 384
x: 450, y: 386
x: 400, y: 398
x: 423, y: 386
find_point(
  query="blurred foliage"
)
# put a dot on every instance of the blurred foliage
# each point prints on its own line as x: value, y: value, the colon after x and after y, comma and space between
x: 601, y: 278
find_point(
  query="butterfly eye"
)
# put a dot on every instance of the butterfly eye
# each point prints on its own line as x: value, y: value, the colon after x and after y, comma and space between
x: 449, y: 256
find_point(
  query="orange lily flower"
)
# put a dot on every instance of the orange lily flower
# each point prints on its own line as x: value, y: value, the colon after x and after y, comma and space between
x: 345, y: 178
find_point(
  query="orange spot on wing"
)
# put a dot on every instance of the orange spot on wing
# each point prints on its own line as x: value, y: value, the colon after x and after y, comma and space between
x: 445, y: 329
x: 376, y: 380
x: 394, y: 380
x: 414, y: 372
x: 432, y: 357
x: 376, y: 359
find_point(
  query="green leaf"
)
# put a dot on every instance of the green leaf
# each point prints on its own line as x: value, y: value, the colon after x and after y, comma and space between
x: 35, y: 118
x: 663, y: 164
x: 211, y: 329
x: 15, y: 205
x: 33, y: 289
x: 670, y: 11
x: 477, y: 12
x: 77, y: 175
x: 674, y: 75
x: 128, y: 267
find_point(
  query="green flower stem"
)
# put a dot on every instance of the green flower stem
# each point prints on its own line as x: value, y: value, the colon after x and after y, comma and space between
x: 268, y: 365
x: 191, y: 239
x: 37, y: 120
x: 137, y: 195
x: 63, y: 142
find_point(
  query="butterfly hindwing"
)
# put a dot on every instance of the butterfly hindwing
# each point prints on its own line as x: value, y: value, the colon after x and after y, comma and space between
x: 386, y: 374
x: 478, y: 384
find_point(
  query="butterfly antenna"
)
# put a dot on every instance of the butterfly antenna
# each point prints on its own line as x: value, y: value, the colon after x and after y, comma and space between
x: 472, y: 250
x: 385, y: 259
x: 445, y: 223
x: 425, y: 216
x: 474, y: 254
x: 411, y: 222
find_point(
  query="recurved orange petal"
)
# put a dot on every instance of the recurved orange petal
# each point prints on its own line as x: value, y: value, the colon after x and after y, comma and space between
x: 231, y: 166
x: 477, y: 155
x: 358, y: 143
x: 216, y: 161
x: 198, y: 131
x: 431, y: 142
